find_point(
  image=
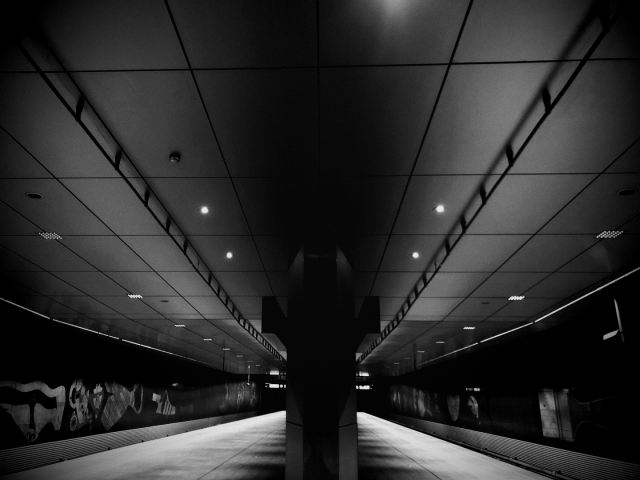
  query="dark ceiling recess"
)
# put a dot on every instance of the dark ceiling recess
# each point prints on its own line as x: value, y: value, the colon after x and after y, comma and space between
x: 364, y: 115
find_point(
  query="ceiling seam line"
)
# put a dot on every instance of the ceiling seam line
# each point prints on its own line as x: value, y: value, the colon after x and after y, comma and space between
x: 218, y: 143
x: 424, y: 137
x: 120, y: 155
x: 511, y: 157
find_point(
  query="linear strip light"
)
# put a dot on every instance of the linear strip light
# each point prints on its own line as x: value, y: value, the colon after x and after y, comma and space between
x: 516, y: 297
x: 134, y: 295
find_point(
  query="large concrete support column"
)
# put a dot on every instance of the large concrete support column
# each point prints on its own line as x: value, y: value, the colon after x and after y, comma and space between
x: 321, y: 336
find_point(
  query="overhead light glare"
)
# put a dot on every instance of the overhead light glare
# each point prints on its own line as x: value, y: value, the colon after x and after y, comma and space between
x: 440, y: 341
x: 180, y: 326
x: 134, y: 295
x: 439, y: 208
x: 204, y: 210
x: 239, y: 356
x: 420, y: 351
x: 226, y: 349
x: 514, y: 298
x: 469, y: 328
x: 208, y: 339
x: 257, y: 364
x: 229, y: 254
x: 415, y: 255
x: 50, y: 235
x: 610, y: 234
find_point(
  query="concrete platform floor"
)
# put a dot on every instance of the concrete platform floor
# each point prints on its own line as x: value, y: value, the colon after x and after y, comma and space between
x: 254, y: 449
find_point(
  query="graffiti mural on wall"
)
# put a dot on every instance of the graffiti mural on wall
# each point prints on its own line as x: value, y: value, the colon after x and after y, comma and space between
x: 32, y: 406
x: 559, y: 414
x: 81, y: 408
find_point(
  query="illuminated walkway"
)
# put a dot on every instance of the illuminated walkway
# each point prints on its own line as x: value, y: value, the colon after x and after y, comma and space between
x: 254, y: 449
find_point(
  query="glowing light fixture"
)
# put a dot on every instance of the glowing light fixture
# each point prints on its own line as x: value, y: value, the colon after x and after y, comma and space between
x: 469, y: 328
x: 415, y: 255
x: 50, y: 235
x: 610, y: 234
x: 229, y: 254
x: 180, y: 326
x: 204, y: 210
x: 226, y: 349
x: 440, y: 341
x: 134, y: 295
x: 439, y: 208
x: 208, y: 339
x: 515, y: 298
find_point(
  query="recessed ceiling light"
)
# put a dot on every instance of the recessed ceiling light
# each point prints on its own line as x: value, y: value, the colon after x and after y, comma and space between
x: 180, y: 326
x: 469, y: 328
x: 239, y: 356
x: 208, y: 339
x: 440, y: 341
x: 627, y: 191
x: 415, y: 255
x: 174, y: 157
x: 204, y: 210
x: 420, y: 351
x: 50, y: 235
x: 516, y: 297
x: 610, y: 234
x: 439, y: 208
x: 226, y: 349
x: 257, y: 364
x: 229, y: 254
x: 134, y: 295
x: 396, y: 363
x: 34, y: 195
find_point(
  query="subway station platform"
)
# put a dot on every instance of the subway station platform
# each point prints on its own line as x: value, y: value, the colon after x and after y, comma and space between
x: 255, y: 449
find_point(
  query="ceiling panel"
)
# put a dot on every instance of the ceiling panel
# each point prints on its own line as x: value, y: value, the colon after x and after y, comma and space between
x: 86, y: 305
x: 143, y: 283
x: 394, y: 284
x: 125, y: 305
x: 171, y: 306
x: 622, y: 41
x: 113, y: 201
x: 356, y: 107
x: 434, y: 306
x: 609, y: 256
x: 547, y: 253
x: 91, y: 283
x: 365, y: 32
x: 417, y: 215
x: 629, y: 161
x: 183, y: 198
x: 245, y: 284
x: 21, y: 164
x: 107, y: 253
x: 479, y: 307
x: 42, y: 282
x: 33, y: 115
x: 367, y: 252
x: 57, y: 211
x: 482, y: 253
x: 153, y: 114
x: 524, y: 203
x: 114, y: 35
x: 388, y: 305
x: 481, y: 104
x: 247, y: 34
x: 599, y: 207
x: 368, y: 204
x: 527, y: 308
x: 265, y: 120
x: 444, y: 284
x: 595, y: 121
x: 49, y: 255
x: 503, y: 30
x: 399, y: 254
x: 188, y: 283
x: 11, y: 59
x: 13, y: 223
x: 564, y: 285
x: 11, y: 262
x: 274, y: 252
x: 43, y: 305
x: 160, y: 253
x: 272, y: 205
x: 503, y: 285
x: 214, y: 249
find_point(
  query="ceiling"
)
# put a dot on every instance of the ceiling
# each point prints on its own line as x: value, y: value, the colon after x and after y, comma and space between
x: 521, y: 118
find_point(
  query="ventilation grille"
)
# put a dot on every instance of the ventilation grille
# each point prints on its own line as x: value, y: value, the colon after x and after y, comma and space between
x: 31, y: 456
x: 564, y: 462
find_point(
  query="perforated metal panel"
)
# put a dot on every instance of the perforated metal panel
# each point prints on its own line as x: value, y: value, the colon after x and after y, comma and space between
x: 31, y: 456
x: 555, y: 460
